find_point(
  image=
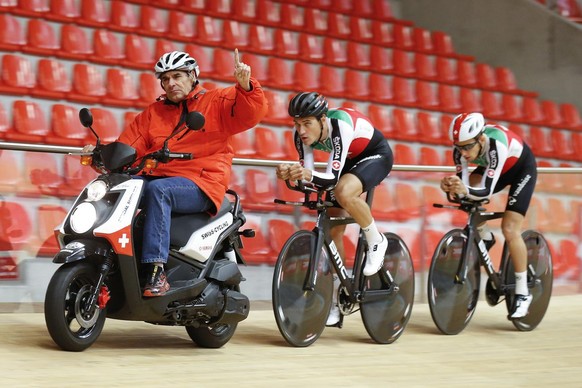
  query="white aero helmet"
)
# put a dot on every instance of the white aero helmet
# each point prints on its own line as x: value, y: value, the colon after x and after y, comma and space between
x: 466, y: 126
x: 176, y: 60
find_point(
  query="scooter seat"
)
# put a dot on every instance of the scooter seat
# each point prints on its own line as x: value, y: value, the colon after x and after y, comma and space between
x: 184, y: 224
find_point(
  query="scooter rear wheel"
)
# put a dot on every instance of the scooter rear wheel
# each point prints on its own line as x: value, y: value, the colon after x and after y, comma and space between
x: 211, y: 336
x: 72, y: 324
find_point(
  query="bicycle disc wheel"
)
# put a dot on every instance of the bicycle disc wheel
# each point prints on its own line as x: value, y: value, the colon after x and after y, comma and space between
x: 301, y: 314
x: 452, y: 304
x: 539, y: 258
x: 385, y: 317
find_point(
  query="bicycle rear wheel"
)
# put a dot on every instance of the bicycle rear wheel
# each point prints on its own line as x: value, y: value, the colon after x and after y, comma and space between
x: 301, y: 314
x: 451, y: 303
x: 385, y: 317
x: 539, y: 258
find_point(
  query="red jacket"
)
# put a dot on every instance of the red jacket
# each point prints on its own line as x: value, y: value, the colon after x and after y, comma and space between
x: 227, y: 111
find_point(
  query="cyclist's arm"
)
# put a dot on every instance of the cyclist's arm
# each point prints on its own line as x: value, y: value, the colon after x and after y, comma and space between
x: 497, y: 156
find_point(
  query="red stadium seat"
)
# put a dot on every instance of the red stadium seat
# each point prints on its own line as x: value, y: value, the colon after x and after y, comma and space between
x: 422, y: 40
x: 257, y: 250
x: 207, y: 31
x: 257, y: 64
x: 107, y: 47
x: 361, y: 29
x: 218, y: 7
x: 88, y: 84
x: 532, y: 111
x: 94, y: 13
x: 310, y: 49
x: 571, y: 116
x: 314, y: 21
x: 121, y: 88
x: 11, y: 33
x: 403, y: 64
x: 15, y: 226
x: 540, y: 143
x: 331, y: 82
x: 335, y: 52
x: 279, y: 232
x: 279, y: 74
x: 381, y: 118
x: 244, y: 10
x: 425, y: 66
x: 381, y: 89
x: 338, y: 25
x: 267, y: 12
x: 74, y: 43
x: 260, y: 190
x: 407, y: 201
x: 29, y: 122
x: 291, y: 16
x: 512, y: 107
x: 426, y: 95
x: 305, y: 76
x: 65, y: 126
x: 356, y: 84
x: 48, y: 217
x: 289, y: 145
x: 383, y: 33
x: 53, y: 80
x: 10, y: 178
x: 486, y: 76
x: 383, y: 206
x: 492, y: 108
x: 41, y: 175
x: 358, y: 56
x: 149, y: 89
x: 286, y: 43
x: 466, y: 73
x: 404, y: 154
x: 223, y: 61
x: 403, y: 91
x: 277, y: 112
x: 430, y: 156
x: 138, y: 52
x: 233, y: 35
x: 181, y: 26
x: 404, y: 125
x: 105, y: 124
x: 41, y: 38
x: 445, y: 69
x: 551, y: 112
x: 518, y: 130
x: 30, y: 8
x: 469, y: 100
x: 261, y: 39
x: 403, y: 36
x: 268, y: 144
x: 124, y: 16
x: 243, y: 145
x: 17, y: 75
x: 153, y: 21
x: 562, y: 144
x: 381, y: 59
x: 64, y: 11
x: 429, y: 129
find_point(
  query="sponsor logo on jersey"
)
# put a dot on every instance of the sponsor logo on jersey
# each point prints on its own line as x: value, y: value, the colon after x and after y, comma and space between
x: 336, y: 165
x: 337, y: 147
x: 459, y: 168
x: 493, y: 155
x: 490, y: 173
x: 521, y: 185
x: 512, y: 201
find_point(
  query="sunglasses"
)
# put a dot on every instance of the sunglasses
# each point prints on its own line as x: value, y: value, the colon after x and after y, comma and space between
x: 466, y: 147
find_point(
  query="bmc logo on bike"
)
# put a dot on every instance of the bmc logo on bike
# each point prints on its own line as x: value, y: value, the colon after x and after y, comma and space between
x: 338, y: 260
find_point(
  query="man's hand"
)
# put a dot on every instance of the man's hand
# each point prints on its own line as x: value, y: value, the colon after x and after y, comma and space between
x: 282, y: 171
x: 293, y: 172
x: 454, y: 185
x: 242, y: 72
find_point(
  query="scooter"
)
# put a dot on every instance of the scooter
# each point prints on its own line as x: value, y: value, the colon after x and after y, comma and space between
x: 100, y: 247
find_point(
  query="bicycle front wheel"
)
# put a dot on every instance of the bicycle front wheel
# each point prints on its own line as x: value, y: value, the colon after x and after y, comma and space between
x: 452, y: 303
x: 385, y: 317
x: 539, y: 258
x: 301, y: 314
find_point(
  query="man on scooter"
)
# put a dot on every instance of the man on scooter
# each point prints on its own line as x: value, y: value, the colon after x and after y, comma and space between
x: 199, y: 184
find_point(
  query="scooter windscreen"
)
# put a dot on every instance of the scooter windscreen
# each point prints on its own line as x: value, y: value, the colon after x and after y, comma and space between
x: 117, y: 155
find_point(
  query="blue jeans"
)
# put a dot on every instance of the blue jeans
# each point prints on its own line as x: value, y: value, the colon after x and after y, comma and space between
x: 161, y: 198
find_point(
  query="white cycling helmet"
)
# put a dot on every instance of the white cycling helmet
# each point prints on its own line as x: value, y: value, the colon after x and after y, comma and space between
x: 466, y: 126
x: 176, y: 60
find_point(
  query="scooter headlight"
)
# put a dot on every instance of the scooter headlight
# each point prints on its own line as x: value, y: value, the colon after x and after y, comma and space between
x: 96, y: 190
x: 83, y: 217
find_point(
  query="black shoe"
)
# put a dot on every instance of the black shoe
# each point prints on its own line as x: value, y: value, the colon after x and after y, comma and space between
x: 157, y: 284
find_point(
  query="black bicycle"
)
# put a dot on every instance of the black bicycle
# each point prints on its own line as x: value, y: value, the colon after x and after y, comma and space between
x: 303, y: 280
x: 454, y: 274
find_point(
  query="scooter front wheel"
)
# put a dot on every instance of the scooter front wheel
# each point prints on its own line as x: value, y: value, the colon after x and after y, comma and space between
x: 72, y: 324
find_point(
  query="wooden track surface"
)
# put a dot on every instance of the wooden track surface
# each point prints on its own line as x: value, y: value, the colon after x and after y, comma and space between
x: 490, y: 352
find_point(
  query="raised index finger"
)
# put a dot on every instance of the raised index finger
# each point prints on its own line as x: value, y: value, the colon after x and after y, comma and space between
x: 236, y: 58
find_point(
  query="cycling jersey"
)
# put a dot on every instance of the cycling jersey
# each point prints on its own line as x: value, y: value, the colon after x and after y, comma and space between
x: 352, y: 139
x: 505, y: 159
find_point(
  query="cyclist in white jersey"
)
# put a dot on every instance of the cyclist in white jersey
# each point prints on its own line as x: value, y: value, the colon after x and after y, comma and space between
x: 502, y: 159
x: 360, y: 158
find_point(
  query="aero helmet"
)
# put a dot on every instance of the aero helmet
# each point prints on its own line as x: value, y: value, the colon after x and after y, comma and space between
x: 307, y: 104
x: 466, y: 126
x: 176, y: 60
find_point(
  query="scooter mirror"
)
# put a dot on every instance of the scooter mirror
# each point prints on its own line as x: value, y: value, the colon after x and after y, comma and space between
x: 86, y: 117
x: 195, y: 120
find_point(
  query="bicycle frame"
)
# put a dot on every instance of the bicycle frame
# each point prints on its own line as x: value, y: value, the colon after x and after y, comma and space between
x: 323, y: 239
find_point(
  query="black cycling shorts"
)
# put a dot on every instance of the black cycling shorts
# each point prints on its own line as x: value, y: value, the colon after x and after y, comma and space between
x: 371, y: 169
x: 521, y: 179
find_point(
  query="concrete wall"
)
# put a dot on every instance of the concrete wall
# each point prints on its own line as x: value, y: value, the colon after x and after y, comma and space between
x: 542, y: 48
